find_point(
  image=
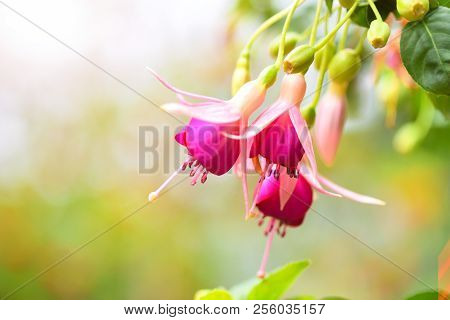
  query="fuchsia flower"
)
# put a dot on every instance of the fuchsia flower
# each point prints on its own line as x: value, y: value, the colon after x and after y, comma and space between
x: 330, y: 122
x: 205, y: 137
x: 287, y: 199
x: 284, y: 191
x: 281, y: 135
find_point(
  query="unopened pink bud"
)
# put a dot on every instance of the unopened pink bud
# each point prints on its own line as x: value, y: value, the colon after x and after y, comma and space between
x: 330, y: 121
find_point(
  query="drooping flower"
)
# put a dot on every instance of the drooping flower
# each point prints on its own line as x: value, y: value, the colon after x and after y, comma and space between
x: 286, y: 200
x: 280, y: 133
x: 205, y: 137
x: 330, y: 120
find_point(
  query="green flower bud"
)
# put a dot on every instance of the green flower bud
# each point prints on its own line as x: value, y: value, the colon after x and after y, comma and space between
x: 326, y: 52
x: 344, y: 66
x: 309, y: 114
x: 289, y: 44
x: 347, y: 4
x: 241, y: 74
x: 378, y: 33
x: 413, y: 10
x: 407, y: 137
x: 299, y: 59
x: 268, y: 76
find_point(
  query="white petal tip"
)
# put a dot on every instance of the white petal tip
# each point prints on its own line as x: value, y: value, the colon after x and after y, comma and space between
x: 152, y: 196
x: 377, y: 202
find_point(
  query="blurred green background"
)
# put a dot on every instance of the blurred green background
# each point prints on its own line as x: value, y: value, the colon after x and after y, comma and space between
x: 69, y: 166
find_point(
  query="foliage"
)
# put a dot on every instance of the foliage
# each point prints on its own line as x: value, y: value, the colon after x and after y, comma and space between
x: 425, y: 51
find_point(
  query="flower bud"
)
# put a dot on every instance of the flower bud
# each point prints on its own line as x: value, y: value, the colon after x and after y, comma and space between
x: 326, y: 52
x: 289, y: 44
x: 407, y: 137
x: 378, y: 33
x: 330, y: 121
x: 309, y: 114
x: 347, y: 4
x: 413, y: 10
x: 268, y: 76
x: 241, y: 74
x: 299, y: 60
x: 344, y: 66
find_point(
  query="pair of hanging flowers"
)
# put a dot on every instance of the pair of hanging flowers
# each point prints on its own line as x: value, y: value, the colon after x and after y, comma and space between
x: 220, y: 135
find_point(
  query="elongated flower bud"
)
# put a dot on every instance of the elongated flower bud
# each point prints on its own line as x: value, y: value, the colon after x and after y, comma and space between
x: 378, y: 33
x: 346, y: 3
x: 330, y: 121
x: 326, y: 53
x: 289, y: 44
x: 241, y: 74
x: 299, y: 60
x: 344, y: 66
x: 413, y: 10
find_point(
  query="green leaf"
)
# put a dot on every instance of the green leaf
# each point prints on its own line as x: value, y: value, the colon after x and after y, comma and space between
x: 276, y: 283
x: 329, y: 4
x: 214, y: 294
x: 442, y: 103
x: 425, y: 50
x: 359, y: 16
x: 426, y: 295
x: 240, y: 291
x: 363, y: 14
x: 334, y: 298
x: 444, y: 3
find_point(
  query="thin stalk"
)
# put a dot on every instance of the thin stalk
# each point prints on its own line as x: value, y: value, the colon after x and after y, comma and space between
x: 267, y: 24
x: 320, y: 79
x: 312, y: 39
x: 375, y: 10
x: 330, y: 35
x: 287, y: 23
x: 360, y: 44
x: 343, y: 38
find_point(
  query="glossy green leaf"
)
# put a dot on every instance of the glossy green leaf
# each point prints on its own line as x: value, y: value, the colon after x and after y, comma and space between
x: 214, y: 294
x: 363, y: 14
x: 425, y: 50
x: 278, y: 282
x: 359, y: 16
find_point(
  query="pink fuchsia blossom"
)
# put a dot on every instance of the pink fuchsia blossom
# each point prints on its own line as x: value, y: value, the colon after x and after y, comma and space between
x: 280, y: 133
x: 205, y: 137
x: 330, y: 120
x: 286, y: 200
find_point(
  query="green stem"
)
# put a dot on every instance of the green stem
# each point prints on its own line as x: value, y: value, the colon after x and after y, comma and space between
x: 375, y: 10
x: 320, y: 79
x: 339, y: 14
x: 312, y: 39
x: 265, y: 25
x: 360, y: 44
x: 344, y: 36
x: 330, y: 35
x: 287, y: 22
